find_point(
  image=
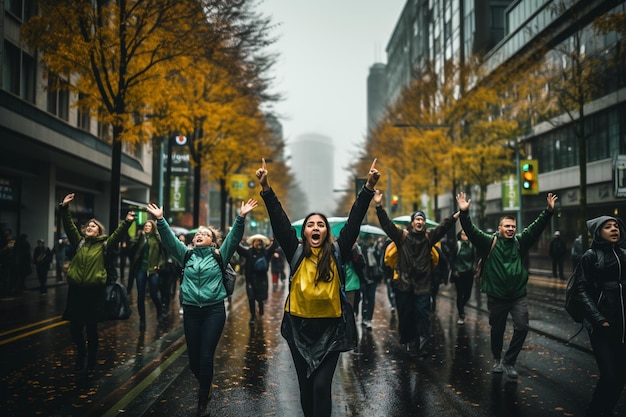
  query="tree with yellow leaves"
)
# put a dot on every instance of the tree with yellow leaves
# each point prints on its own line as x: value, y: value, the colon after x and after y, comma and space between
x: 117, y: 53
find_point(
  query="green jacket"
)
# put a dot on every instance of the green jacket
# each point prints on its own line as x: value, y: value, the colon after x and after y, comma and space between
x: 87, y: 266
x: 465, y: 257
x: 504, y: 275
x: 156, y: 254
x: 202, y: 283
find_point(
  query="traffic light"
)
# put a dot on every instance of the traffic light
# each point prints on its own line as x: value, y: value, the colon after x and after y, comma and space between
x: 394, y: 203
x: 529, y: 177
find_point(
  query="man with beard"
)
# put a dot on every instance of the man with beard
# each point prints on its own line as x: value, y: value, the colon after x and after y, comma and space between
x: 413, y: 286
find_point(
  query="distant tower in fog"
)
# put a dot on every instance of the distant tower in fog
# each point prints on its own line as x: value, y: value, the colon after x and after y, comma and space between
x: 312, y: 162
x: 376, y: 94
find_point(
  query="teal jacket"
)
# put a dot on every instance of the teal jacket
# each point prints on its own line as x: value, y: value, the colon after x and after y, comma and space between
x: 504, y: 275
x: 202, y: 283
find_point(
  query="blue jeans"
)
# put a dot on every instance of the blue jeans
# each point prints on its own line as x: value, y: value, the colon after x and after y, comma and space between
x: 498, y: 312
x: 203, y: 329
x: 153, y: 282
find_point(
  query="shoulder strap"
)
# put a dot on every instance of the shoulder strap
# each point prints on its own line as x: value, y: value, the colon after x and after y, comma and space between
x: 493, y: 244
x: 218, y: 258
x: 188, y: 256
x: 339, y: 261
x: 296, y: 260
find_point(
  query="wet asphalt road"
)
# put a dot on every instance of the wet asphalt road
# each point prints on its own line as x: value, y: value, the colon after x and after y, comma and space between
x: 145, y: 373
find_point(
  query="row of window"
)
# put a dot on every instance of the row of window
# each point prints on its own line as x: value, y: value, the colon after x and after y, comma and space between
x: 606, y: 133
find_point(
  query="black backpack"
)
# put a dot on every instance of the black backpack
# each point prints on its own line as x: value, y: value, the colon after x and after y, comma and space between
x: 229, y: 275
x: 573, y: 305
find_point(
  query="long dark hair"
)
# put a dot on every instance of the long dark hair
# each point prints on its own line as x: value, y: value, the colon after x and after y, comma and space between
x: 324, y: 271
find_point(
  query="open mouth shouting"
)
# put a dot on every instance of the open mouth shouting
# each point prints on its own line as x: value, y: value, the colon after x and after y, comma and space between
x: 315, y: 230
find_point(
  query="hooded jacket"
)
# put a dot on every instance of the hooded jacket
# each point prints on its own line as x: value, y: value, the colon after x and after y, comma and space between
x: 504, y: 274
x: 601, y: 287
x: 414, y: 258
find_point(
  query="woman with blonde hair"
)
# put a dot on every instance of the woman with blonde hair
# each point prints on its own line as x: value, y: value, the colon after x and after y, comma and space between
x: 86, y: 278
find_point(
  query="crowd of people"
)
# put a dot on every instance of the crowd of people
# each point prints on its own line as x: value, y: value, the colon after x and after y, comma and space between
x: 332, y: 282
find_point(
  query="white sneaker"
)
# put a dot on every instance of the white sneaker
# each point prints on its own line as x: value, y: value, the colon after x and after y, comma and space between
x: 460, y: 322
x: 498, y: 368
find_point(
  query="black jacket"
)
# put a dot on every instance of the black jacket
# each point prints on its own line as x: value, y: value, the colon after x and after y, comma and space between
x: 601, y: 287
x: 414, y: 258
x: 314, y: 337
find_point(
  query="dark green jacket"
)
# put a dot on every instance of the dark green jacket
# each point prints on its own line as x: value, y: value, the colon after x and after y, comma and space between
x: 504, y: 275
x: 87, y: 266
x: 156, y: 254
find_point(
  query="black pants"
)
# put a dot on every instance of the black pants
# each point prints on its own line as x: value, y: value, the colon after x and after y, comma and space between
x: 315, y: 395
x: 498, y: 313
x: 611, y: 359
x: 203, y: 330
x: 463, y: 284
x: 557, y: 266
x: 78, y: 337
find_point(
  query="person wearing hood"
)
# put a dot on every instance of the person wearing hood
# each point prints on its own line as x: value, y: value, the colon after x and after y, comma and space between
x: 256, y: 272
x: 505, y: 277
x: 413, y: 286
x: 86, y: 278
x: 202, y: 291
x: 600, y: 286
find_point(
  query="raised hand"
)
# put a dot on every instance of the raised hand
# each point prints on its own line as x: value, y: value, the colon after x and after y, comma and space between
x: 155, y: 210
x: 261, y: 174
x: 462, y: 201
x: 248, y: 207
x: 130, y: 216
x: 551, y: 199
x: 372, y: 176
x: 68, y: 198
x: 378, y: 197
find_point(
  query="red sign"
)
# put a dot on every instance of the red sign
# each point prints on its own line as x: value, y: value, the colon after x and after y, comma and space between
x: 181, y: 140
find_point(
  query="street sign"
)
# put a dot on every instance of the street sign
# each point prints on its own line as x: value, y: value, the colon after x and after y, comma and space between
x: 239, y: 186
x: 181, y: 140
x: 510, y: 195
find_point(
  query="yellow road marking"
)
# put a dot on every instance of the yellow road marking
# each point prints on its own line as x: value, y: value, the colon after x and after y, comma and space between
x: 134, y: 393
x: 23, y: 335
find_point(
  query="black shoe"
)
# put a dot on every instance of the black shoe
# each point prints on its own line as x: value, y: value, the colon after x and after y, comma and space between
x: 203, y: 403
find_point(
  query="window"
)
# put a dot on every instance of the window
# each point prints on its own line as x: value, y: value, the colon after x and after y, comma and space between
x: 11, y: 68
x: 18, y: 72
x: 21, y: 9
x: 58, y: 97
x: 104, y: 129
x: 84, y: 115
